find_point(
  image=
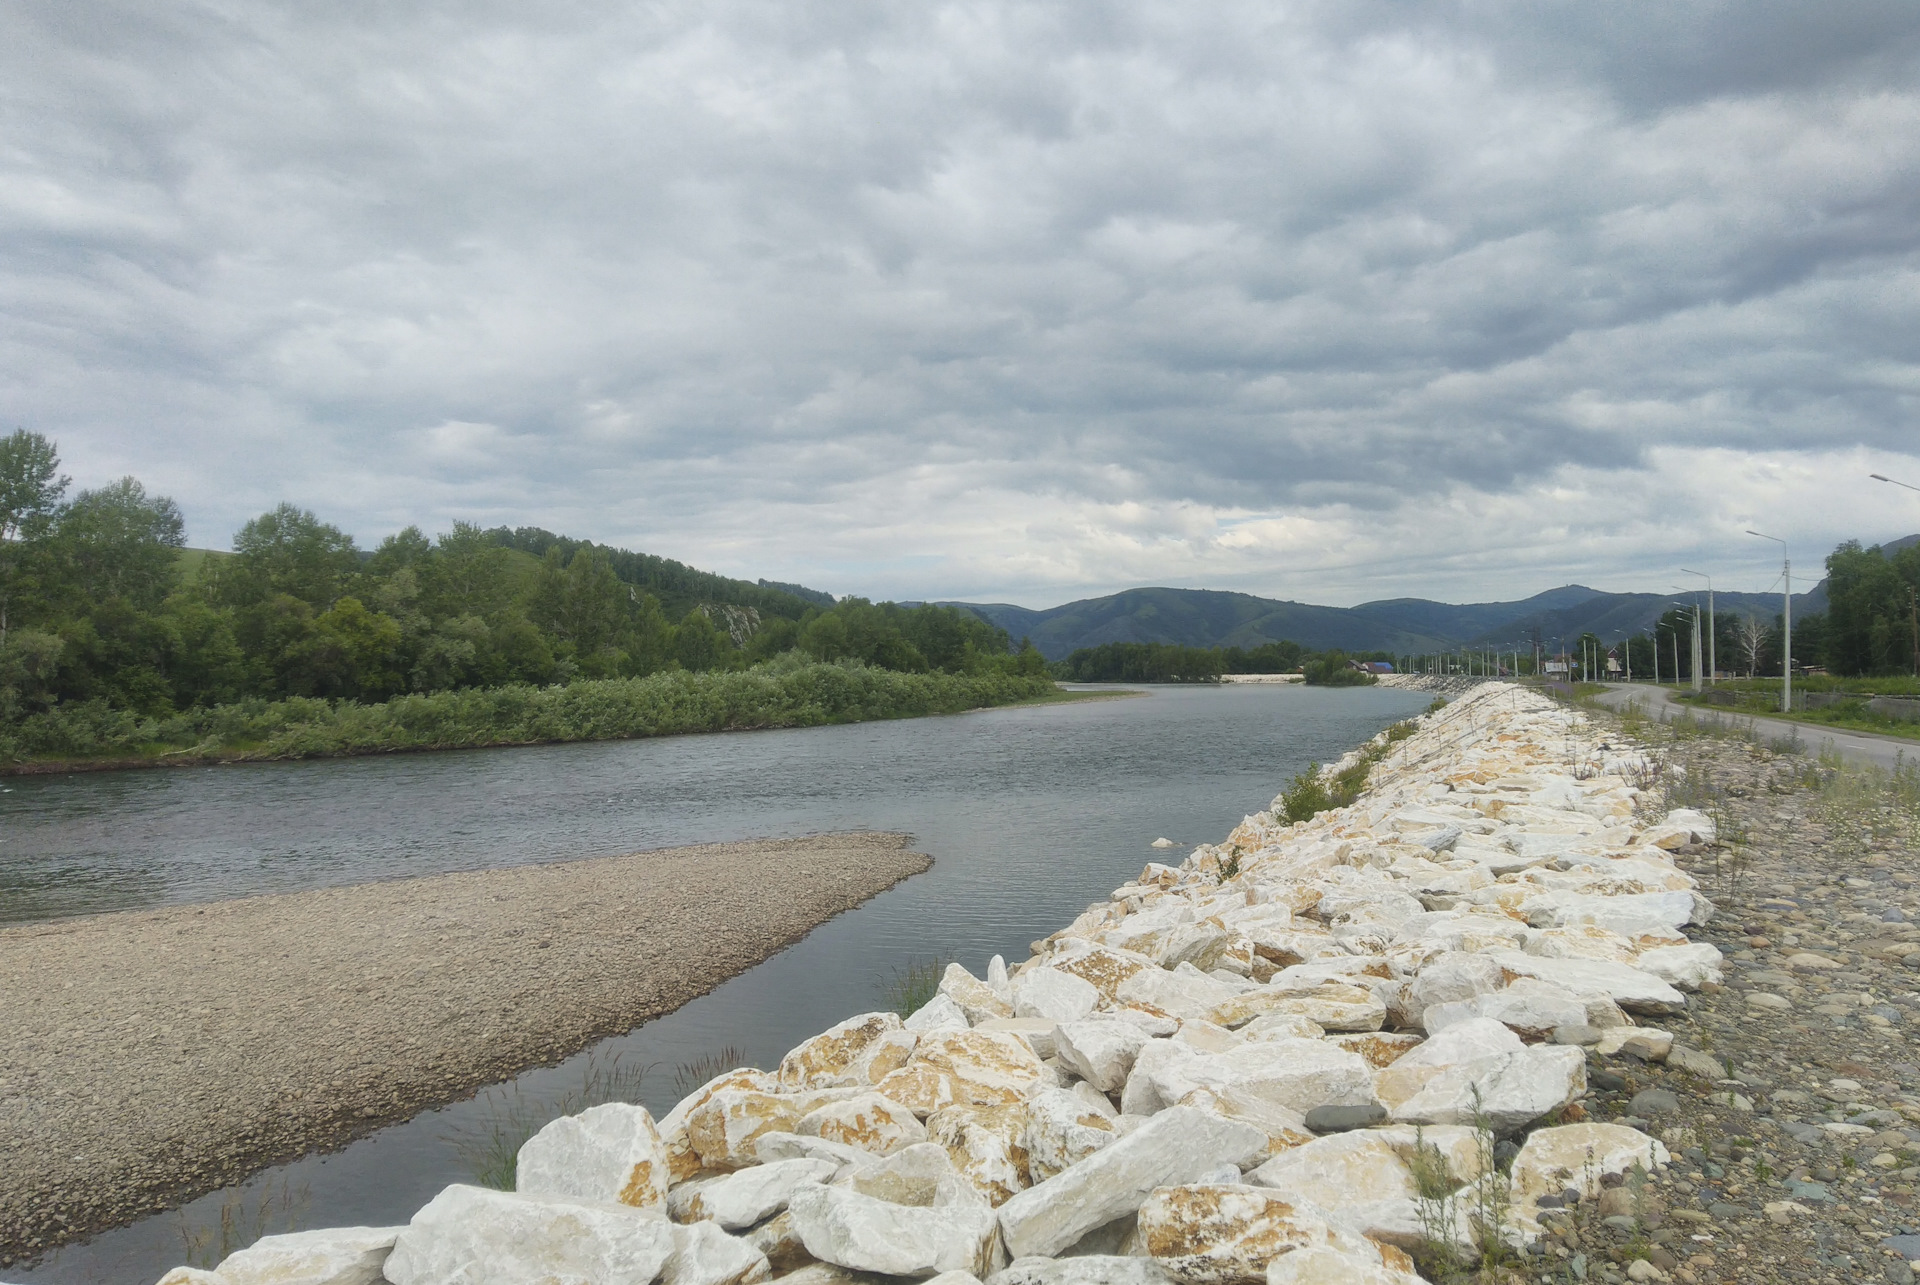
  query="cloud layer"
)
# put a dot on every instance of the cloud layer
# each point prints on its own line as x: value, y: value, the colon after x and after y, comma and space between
x: 1020, y: 301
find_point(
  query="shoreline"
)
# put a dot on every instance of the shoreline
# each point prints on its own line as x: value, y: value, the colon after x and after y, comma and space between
x: 150, y: 1056
x: 238, y: 758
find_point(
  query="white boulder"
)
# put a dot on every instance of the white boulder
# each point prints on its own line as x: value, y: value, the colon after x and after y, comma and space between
x: 331, y: 1256
x: 611, y: 1153
x: 741, y: 1199
x: 850, y: 1229
x: 1053, y: 995
x: 476, y: 1236
x: 1175, y: 1146
x: 938, y: 1014
x: 705, y: 1255
x: 1100, y: 1052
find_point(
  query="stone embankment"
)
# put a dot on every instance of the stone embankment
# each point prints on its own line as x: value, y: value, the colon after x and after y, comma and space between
x: 1343, y: 1050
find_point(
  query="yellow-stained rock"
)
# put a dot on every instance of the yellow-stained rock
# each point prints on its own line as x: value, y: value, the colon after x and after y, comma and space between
x: 988, y: 1146
x: 869, y: 1121
x: 1226, y: 1234
x: 860, y: 1051
x: 965, y: 1068
x: 1380, y: 1048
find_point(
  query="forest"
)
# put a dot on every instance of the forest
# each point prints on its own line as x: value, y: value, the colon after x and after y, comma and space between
x: 1172, y: 663
x: 107, y: 621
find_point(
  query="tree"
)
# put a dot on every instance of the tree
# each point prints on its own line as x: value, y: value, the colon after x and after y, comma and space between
x: 119, y: 542
x: 290, y: 551
x: 1749, y: 637
x: 30, y: 489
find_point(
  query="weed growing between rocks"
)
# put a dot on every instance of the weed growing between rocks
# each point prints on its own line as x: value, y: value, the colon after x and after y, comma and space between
x: 513, y: 1115
x: 689, y: 1076
x: 243, y: 1219
x: 910, y: 988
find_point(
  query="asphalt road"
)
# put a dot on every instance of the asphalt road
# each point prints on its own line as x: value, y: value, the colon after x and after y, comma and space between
x: 1855, y: 747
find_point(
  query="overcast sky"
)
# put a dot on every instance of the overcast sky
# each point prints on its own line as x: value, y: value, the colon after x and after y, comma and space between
x: 1019, y: 302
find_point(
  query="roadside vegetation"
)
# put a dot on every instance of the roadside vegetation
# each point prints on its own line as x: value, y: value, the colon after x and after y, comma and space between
x: 118, y: 642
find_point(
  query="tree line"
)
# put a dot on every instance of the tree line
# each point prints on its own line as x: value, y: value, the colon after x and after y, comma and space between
x: 102, y: 605
x: 1173, y: 663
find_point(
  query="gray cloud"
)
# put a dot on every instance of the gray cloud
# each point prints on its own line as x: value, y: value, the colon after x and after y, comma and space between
x: 1324, y: 300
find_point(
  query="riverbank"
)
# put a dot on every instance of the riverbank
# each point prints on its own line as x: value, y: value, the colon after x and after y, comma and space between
x: 150, y: 1056
x: 90, y: 737
x: 1387, y: 1036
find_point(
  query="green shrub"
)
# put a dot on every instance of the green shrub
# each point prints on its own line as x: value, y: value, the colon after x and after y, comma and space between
x: 789, y: 692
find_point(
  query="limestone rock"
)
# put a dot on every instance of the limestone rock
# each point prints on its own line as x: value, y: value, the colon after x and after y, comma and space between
x: 722, y: 1129
x: 1181, y: 992
x: 976, y: 999
x: 850, y: 1229
x: 1453, y: 977
x: 705, y: 1255
x: 1530, y: 1008
x: 938, y: 1014
x: 741, y: 1199
x: 1320, y: 1265
x: 683, y: 1161
x: 1361, y: 1177
x: 475, y: 1236
x: 1100, y: 1052
x: 1509, y: 1089
x: 988, y: 1146
x: 1284, y: 1127
x: 1062, y: 1130
x: 1379, y: 1048
x: 1053, y: 994
x: 1648, y: 1043
x: 870, y: 1121
x: 1576, y: 1156
x: 965, y: 1068
x: 1036, y: 1031
x: 1687, y: 967
x: 1284, y: 1026
x: 770, y: 1148
x: 782, y: 1246
x: 920, y: 1175
x: 1103, y: 966
x: 1226, y: 1234
x: 1082, y: 1269
x: 611, y: 1154
x: 332, y: 1256
x: 856, y: 1053
x: 1631, y: 988
x: 1332, y: 1005
x: 189, y: 1276
x: 1175, y: 1146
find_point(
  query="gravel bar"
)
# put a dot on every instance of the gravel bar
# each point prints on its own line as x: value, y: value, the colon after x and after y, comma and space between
x: 148, y: 1057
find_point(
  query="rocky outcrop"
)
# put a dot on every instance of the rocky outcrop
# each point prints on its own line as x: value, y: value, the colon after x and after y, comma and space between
x: 1288, y: 1059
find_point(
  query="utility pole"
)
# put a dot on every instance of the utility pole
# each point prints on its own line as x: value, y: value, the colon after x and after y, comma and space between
x: 1786, y: 617
x: 1713, y: 665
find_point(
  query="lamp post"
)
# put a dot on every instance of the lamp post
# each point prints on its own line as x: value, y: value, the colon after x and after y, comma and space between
x: 1786, y: 617
x: 1694, y: 647
x: 1713, y: 665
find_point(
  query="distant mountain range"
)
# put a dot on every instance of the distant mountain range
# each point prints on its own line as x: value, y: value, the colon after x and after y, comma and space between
x: 1211, y: 618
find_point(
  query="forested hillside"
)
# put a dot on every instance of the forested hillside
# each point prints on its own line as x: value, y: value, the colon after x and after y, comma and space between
x: 103, y: 610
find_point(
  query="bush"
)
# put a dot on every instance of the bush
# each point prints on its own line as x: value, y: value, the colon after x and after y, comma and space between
x: 781, y: 693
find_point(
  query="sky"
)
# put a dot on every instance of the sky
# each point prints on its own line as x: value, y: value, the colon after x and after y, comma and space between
x: 1003, y: 302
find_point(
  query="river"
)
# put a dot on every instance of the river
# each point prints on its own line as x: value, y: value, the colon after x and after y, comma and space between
x: 1030, y: 813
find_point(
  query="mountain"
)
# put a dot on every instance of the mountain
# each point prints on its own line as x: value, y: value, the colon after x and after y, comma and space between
x: 1211, y: 618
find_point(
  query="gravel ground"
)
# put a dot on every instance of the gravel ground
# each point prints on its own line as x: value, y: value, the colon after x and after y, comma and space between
x: 1792, y: 1102
x: 151, y: 1056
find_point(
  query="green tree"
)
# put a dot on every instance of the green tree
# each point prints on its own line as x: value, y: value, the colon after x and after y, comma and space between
x: 290, y: 551
x: 119, y: 542
x: 347, y: 651
x: 30, y: 489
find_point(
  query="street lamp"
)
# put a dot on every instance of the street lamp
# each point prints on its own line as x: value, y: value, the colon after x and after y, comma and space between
x: 1786, y: 616
x: 1693, y: 666
x: 1713, y: 664
x: 1880, y: 477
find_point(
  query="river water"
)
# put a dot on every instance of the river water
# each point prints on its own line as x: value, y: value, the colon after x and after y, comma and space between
x: 1030, y: 814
